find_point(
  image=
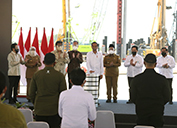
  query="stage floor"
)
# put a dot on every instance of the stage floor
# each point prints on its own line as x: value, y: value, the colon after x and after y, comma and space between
x: 118, y: 108
x: 122, y: 108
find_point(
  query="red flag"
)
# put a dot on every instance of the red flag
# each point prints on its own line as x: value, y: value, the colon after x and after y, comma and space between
x: 28, y: 41
x: 51, y: 42
x: 36, y: 43
x: 20, y: 43
x: 44, y: 47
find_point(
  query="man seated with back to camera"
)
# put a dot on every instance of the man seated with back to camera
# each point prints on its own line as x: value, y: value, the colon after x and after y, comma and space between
x: 75, y: 104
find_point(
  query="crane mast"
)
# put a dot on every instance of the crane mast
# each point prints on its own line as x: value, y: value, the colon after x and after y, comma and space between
x: 159, y: 37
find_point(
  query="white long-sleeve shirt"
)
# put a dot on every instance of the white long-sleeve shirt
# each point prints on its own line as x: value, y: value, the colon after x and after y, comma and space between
x: 95, y: 63
x: 167, y: 72
x: 14, y: 64
x: 132, y: 71
x: 75, y: 107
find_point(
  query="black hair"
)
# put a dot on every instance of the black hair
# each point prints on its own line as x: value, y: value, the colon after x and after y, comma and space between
x: 111, y: 45
x: 2, y: 81
x: 58, y: 42
x: 49, y: 58
x: 94, y: 43
x: 75, y: 41
x: 164, y: 48
x: 77, y: 76
x: 13, y: 45
x: 135, y: 47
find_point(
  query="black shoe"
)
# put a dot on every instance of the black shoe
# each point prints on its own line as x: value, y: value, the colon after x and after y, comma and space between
x: 16, y: 101
x: 11, y: 102
x: 115, y: 101
x: 170, y: 103
x: 129, y: 102
x: 108, y: 101
x: 99, y: 104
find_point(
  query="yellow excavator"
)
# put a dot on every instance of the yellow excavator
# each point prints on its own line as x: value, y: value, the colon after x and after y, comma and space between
x: 158, y: 39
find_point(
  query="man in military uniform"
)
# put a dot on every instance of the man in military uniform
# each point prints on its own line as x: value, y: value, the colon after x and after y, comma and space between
x: 111, y: 62
x: 75, y: 60
x: 32, y: 66
x: 61, y: 58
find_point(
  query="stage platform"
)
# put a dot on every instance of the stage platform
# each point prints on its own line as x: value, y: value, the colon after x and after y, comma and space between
x: 125, y: 113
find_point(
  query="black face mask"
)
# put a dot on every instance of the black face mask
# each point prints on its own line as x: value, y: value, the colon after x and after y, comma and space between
x: 16, y: 50
x: 164, y: 53
x: 133, y: 53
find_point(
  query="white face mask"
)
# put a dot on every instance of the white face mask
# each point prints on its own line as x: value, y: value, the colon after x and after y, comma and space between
x: 32, y: 53
x: 111, y: 52
x: 59, y: 48
x: 75, y: 47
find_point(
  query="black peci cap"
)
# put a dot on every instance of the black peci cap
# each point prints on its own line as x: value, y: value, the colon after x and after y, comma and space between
x: 150, y: 58
x: 49, y: 58
x: 111, y: 45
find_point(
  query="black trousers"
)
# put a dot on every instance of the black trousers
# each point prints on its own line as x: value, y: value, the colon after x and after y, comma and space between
x: 70, y: 85
x: 129, y: 81
x: 13, y: 85
x: 53, y: 121
x: 171, y: 89
x: 153, y: 120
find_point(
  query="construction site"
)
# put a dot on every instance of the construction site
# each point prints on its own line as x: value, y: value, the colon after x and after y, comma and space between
x: 123, y: 23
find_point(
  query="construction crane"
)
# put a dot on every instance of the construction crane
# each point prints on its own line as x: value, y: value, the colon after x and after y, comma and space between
x: 62, y: 32
x: 66, y: 34
x: 98, y: 15
x: 159, y: 37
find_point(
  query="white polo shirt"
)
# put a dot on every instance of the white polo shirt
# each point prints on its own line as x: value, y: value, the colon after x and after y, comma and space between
x: 75, y: 107
x: 132, y: 71
x: 167, y: 72
x: 95, y: 63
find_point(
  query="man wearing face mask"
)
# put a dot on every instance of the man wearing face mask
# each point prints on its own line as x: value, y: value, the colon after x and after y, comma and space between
x: 32, y: 66
x: 166, y: 63
x: 75, y: 60
x: 94, y: 62
x: 14, y: 61
x: 61, y: 58
x: 111, y: 62
x: 134, y: 64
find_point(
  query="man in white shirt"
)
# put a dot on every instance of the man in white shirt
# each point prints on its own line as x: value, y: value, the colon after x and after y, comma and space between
x: 166, y: 63
x: 14, y: 61
x: 94, y: 62
x: 76, y: 106
x: 134, y: 62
